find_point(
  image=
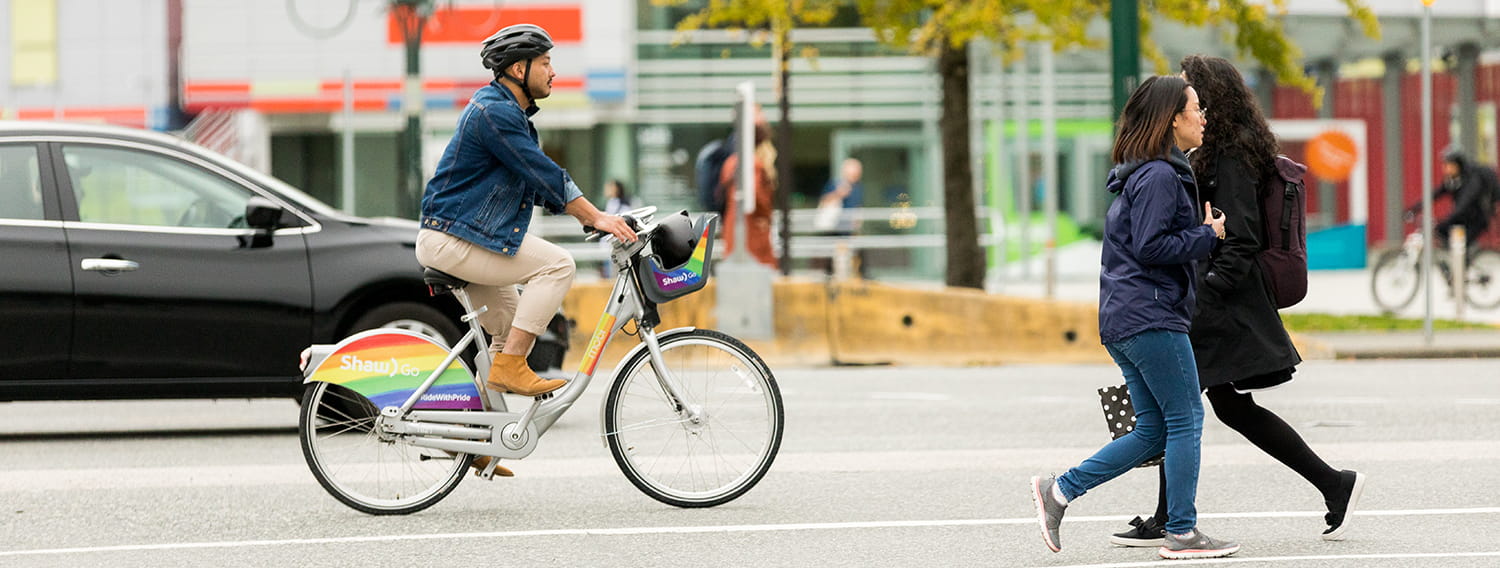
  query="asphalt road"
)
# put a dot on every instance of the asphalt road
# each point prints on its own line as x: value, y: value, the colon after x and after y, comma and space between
x: 879, y: 467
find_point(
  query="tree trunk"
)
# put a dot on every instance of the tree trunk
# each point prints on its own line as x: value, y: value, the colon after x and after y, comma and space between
x: 966, y: 263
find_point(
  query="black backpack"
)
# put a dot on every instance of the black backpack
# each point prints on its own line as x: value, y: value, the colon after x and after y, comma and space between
x: 706, y: 170
x: 1283, y: 261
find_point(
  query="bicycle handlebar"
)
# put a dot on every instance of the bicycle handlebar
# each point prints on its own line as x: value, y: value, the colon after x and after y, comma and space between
x: 639, y: 220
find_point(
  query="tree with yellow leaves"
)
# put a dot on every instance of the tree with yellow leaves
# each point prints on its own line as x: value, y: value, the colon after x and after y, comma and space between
x: 945, y: 28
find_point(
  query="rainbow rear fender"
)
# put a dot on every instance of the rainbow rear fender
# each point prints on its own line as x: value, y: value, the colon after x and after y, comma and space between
x: 387, y: 365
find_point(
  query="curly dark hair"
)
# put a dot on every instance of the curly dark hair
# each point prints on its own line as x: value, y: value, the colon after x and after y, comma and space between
x: 1235, y: 126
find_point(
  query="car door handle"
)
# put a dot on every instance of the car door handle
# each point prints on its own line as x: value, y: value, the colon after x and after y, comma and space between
x: 109, y: 265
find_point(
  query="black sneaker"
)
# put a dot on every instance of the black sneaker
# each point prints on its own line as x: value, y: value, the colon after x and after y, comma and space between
x: 1143, y: 533
x: 1195, y: 544
x: 1049, y: 512
x: 1351, y: 485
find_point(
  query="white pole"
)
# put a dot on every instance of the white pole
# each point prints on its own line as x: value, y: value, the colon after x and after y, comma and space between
x: 1427, y: 171
x: 997, y: 211
x: 746, y: 184
x: 346, y: 191
x: 1049, y: 165
x: 1023, y: 166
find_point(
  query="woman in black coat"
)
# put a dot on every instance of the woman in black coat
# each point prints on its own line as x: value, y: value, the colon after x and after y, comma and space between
x: 1238, y: 338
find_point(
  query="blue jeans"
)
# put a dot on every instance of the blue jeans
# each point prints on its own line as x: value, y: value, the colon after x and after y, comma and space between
x: 1163, y: 380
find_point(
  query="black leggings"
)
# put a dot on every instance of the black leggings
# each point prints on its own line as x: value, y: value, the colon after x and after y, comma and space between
x: 1269, y: 433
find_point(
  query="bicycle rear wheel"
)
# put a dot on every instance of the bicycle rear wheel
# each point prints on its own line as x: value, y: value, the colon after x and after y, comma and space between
x: 1394, y: 281
x: 701, y: 460
x: 354, y: 463
x: 1482, y: 288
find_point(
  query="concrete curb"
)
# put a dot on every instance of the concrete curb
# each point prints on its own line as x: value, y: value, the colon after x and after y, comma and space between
x: 856, y: 322
x: 1457, y: 344
x: 818, y: 323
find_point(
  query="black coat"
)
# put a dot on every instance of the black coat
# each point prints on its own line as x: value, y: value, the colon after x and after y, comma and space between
x: 1236, y: 332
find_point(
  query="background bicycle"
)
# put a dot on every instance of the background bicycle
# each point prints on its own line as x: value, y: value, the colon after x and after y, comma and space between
x: 1397, y: 275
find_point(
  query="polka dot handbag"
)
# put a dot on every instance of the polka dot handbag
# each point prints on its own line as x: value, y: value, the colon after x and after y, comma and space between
x: 1119, y: 415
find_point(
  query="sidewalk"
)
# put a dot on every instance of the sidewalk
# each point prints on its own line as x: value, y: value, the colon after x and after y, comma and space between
x: 1340, y: 292
x: 1402, y: 344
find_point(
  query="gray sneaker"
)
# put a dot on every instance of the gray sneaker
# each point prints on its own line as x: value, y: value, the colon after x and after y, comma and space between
x: 1048, y: 511
x: 1195, y: 544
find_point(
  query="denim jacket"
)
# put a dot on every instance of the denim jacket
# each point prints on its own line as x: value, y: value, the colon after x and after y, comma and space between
x: 492, y: 174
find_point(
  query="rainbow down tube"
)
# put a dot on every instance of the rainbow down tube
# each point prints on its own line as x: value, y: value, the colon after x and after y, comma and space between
x: 690, y: 273
x: 387, y: 365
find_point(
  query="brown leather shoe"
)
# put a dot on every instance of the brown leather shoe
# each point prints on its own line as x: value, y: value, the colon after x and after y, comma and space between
x: 509, y: 373
x: 481, y: 462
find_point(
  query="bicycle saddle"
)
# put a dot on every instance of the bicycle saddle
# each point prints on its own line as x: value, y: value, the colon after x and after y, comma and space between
x: 439, y: 282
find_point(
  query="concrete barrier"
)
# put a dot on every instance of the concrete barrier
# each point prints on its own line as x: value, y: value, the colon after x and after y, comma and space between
x: 862, y: 322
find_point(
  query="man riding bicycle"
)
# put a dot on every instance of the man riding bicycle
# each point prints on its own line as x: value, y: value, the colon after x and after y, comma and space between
x: 1474, y: 189
x: 477, y: 209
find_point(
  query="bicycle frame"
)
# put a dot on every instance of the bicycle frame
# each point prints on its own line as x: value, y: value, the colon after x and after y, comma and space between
x: 496, y: 431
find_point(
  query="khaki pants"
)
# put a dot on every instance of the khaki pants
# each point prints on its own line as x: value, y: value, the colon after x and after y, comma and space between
x: 545, y: 268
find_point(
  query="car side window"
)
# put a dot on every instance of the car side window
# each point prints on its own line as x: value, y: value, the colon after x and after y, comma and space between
x: 20, y: 183
x: 132, y: 187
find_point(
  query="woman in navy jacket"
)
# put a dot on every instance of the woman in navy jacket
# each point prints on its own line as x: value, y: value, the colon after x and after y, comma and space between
x: 1153, y: 235
x: 1238, y: 339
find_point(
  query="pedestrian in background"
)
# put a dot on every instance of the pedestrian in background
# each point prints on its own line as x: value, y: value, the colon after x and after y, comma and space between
x: 617, y: 198
x: 836, y: 215
x: 617, y: 202
x: 1152, y: 237
x: 1239, y: 341
x: 757, y: 222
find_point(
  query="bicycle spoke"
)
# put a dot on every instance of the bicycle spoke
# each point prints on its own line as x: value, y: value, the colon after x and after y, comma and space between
x: 364, y: 469
x: 713, y: 449
x: 349, y: 427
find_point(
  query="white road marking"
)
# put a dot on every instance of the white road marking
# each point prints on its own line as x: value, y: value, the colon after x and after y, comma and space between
x: 1478, y: 401
x: 91, y: 478
x: 1270, y: 559
x: 788, y: 527
x: 925, y: 396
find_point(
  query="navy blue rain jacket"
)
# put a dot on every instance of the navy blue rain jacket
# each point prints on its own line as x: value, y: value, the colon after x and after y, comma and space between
x: 1153, y: 234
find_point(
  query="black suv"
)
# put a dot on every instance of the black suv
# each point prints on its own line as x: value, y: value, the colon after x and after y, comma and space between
x: 137, y: 265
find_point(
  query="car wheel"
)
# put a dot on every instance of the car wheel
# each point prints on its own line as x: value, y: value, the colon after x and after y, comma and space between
x: 409, y: 316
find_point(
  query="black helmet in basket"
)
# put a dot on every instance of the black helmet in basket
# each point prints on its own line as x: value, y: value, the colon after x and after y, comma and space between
x: 674, y: 240
x: 682, y: 254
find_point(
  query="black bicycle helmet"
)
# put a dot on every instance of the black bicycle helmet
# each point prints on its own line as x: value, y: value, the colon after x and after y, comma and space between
x: 674, y: 240
x: 1455, y: 155
x: 519, y: 42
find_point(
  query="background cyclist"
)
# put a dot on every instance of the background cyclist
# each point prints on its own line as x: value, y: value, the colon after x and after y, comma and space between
x: 1474, y: 189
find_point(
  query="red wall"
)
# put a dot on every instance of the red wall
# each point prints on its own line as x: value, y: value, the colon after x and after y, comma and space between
x: 1362, y: 99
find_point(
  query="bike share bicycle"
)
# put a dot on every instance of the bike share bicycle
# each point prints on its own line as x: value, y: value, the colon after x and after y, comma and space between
x: 391, y: 419
x: 1397, y: 275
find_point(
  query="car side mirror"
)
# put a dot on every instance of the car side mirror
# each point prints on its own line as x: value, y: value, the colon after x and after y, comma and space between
x: 262, y: 213
x: 264, y: 216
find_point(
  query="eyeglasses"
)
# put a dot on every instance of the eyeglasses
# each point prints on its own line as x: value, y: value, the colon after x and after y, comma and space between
x: 1202, y: 111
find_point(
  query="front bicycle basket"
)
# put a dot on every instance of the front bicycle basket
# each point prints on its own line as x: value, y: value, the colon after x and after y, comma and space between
x: 661, y: 283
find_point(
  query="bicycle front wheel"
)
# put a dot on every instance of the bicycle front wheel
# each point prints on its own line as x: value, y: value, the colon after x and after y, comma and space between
x: 714, y: 444
x: 353, y: 462
x: 1394, y: 281
x: 1483, y: 280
